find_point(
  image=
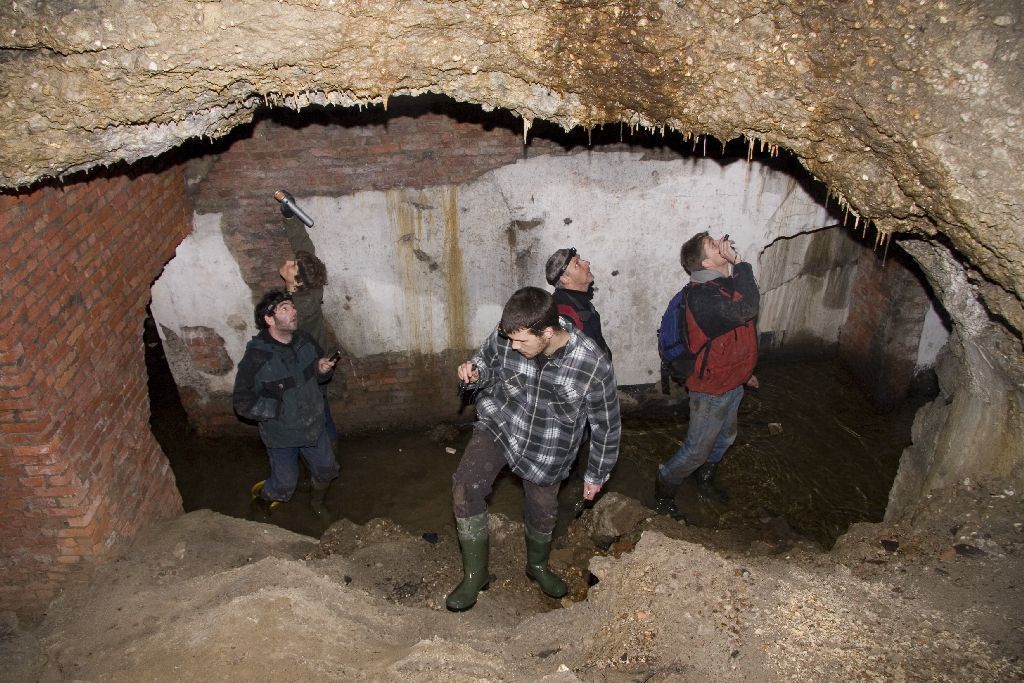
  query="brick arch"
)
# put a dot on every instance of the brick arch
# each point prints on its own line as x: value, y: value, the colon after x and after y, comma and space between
x: 81, y: 469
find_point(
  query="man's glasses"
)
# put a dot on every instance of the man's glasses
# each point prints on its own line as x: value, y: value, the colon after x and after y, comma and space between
x: 568, y: 259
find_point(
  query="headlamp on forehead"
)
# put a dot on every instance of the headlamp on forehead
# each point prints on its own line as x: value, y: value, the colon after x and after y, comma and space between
x: 271, y: 307
x: 268, y: 304
x: 569, y: 256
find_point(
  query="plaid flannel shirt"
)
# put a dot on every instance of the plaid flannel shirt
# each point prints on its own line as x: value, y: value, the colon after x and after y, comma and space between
x: 538, y: 415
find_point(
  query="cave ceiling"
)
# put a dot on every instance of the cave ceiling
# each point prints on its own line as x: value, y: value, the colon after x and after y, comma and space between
x: 910, y: 112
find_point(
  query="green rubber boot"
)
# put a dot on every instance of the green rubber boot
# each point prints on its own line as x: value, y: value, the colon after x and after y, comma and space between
x: 538, y: 550
x: 474, y: 540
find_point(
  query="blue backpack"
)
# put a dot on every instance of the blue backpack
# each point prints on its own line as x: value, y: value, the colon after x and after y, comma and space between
x: 678, y: 359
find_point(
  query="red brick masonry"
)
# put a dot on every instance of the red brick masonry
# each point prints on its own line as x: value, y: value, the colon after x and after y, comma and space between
x: 79, y: 467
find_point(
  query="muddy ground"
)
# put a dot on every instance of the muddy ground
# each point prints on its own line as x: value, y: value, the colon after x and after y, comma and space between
x: 211, y: 597
x: 821, y: 462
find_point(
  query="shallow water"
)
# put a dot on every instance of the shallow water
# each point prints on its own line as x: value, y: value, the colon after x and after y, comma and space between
x: 831, y: 465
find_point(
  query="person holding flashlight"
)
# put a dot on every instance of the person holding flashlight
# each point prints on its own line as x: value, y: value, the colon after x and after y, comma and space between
x: 722, y: 306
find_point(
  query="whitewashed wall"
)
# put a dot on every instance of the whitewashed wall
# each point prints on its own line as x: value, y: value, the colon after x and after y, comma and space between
x: 425, y: 270
x: 203, y: 285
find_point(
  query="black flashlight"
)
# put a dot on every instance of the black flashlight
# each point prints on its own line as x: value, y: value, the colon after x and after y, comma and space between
x: 289, y: 208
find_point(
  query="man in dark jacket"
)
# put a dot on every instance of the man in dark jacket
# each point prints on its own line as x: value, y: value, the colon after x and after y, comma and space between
x: 722, y: 303
x: 278, y: 386
x: 573, y: 282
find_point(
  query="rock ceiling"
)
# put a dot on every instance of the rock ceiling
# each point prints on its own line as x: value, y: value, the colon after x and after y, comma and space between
x: 909, y: 111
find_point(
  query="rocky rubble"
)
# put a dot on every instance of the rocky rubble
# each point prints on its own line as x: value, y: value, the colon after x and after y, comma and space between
x: 211, y: 597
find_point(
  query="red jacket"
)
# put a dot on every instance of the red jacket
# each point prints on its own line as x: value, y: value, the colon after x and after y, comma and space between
x: 722, y: 313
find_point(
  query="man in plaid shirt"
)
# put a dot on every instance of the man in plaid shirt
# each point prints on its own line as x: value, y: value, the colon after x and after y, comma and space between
x: 539, y: 381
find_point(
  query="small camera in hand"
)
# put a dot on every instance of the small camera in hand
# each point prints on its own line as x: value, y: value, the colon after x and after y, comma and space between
x: 466, y: 392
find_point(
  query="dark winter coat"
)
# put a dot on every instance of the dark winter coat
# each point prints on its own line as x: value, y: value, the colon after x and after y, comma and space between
x: 578, y: 307
x: 277, y: 385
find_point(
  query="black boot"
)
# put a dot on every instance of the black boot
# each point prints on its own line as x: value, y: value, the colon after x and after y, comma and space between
x: 665, y: 499
x: 317, y: 499
x: 706, y: 489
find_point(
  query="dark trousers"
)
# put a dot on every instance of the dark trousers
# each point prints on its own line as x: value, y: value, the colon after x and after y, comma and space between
x: 284, y: 466
x: 474, y: 479
x: 332, y: 429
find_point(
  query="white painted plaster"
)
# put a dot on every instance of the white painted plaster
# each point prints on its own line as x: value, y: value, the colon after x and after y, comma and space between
x: 804, y: 303
x: 627, y: 215
x: 203, y: 285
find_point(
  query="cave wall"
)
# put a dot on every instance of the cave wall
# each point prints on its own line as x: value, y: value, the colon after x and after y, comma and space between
x: 427, y: 223
x: 909, y: 112
x: 80, y: 470
x: 973, y: 429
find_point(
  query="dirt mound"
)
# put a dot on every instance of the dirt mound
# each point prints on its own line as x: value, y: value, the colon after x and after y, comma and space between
x: 207, y: 597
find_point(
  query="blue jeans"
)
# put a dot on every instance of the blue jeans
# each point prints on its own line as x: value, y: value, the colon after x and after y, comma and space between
x: 284, y: 466
x: 712, y: 430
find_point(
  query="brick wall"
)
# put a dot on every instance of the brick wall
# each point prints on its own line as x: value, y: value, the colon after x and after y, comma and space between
x: 206, y: 349
x: 879, y: 340
x: 79, y: 468
x: 420, y: 143
x: 398, y: 390
x: 335, y: 153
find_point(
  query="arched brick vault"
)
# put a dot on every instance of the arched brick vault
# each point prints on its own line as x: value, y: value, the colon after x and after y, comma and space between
x: 910, y: 112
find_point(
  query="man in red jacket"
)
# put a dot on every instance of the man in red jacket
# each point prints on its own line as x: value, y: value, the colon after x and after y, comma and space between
x: 722, y: 304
